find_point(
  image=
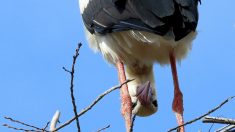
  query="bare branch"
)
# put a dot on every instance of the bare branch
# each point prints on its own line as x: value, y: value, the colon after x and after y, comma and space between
x: 44, y: 129
x: 92, y: 104
x: 220, y: 120
x: 102, y: 129
x: 72, y: 85
x: 211, y: 127
x: 21, y: 129
x: 22, y: 123
x: 226, y: 128
x: 132, y: 123
x: 200, y: 117
x: 35, y: 129
x: 65, y: 69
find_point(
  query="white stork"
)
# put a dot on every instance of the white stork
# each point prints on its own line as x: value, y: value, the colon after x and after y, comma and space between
x: 138, y: 33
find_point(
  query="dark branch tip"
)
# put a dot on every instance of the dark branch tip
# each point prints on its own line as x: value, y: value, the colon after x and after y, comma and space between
x: 79, y: 45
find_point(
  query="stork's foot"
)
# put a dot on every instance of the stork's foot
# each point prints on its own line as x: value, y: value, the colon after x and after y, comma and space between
x: 178, y: 108
x: 180, y: 121
x: 126, y: 111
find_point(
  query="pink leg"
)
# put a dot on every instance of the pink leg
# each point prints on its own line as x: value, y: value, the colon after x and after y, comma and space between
x: 177, y: 104
x: 125, y: 97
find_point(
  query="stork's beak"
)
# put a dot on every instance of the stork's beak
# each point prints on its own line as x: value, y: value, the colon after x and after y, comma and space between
x: 144, y: 93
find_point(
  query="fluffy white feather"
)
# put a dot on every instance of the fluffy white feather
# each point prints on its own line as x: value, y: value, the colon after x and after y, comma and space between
x: 83, y: 4
x: 132, y: 45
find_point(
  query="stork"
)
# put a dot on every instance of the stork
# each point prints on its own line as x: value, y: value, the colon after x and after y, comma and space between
x: 135, y: 34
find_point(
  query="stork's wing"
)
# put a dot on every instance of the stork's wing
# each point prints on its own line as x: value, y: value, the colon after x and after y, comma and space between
x: 174, y: 17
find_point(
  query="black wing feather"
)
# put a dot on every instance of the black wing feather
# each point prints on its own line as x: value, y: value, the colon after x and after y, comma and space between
x: 156, y: 16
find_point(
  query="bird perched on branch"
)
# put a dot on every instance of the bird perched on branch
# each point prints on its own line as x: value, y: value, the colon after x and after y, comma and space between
x: 135, y: 34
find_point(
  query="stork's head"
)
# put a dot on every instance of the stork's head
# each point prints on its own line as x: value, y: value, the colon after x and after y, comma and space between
x: 144, y: 103
x: 143, y: 93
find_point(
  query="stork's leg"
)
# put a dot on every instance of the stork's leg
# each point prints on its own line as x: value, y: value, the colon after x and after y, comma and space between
x: 177, y: 104
x: 125, y: 97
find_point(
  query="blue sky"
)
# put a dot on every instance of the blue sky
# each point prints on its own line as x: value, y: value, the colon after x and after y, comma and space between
x: 38, y: 38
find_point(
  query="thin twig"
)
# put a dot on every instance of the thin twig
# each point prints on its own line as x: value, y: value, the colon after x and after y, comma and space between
x: 211, y: 127
x: 72, y: 85
x: 102, y: 129
x: 200, y: 117
x: 66, y: 70
x: 22, y: 123
x: 132, y: 123
x: 44, y: 129
x: 226, y: 128
x: 220, y: 120
x: 21, y: 129
x: 92, y: 104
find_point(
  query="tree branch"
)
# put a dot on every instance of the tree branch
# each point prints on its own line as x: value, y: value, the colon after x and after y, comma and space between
x: 35, y: 129
x: 102, y: 129
x: 22, y: 123
x: 21, y: 129
x: 226, y: 128
x: 132, y: 123
x: 220, y: 120
x: 72, y: 85
x: 44, y: 129
x: 200, y: 117
x: 92, y: 104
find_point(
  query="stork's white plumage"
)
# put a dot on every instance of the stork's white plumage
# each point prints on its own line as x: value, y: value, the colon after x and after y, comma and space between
x: 139, y: 33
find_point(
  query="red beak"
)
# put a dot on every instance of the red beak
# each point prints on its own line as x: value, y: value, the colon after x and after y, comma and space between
x: 144, y: 93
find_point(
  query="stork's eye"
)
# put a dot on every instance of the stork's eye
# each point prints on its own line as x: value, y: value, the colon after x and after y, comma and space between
x: 134, y: 104
x: 155, y: 103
